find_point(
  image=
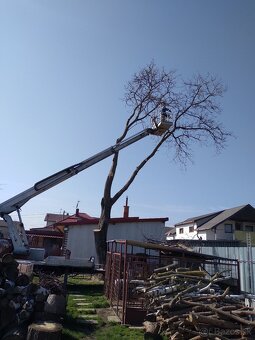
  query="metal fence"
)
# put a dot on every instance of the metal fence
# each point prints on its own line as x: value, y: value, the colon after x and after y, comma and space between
x: 244, y: 255
x: 126, y: 263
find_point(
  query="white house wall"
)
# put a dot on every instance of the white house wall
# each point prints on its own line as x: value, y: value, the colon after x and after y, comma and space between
x: 81, y: 241
x: 204, y: 234
x: 81, y: 237
x: 186, y: 234
x: 207, y: 235
x: 137, y: 231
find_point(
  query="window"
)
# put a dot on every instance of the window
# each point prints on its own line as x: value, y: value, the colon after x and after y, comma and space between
x: 228, y: 228
x: 238, y: 226
x: 191, y: 229
x: 248, y: 228
x: 181, y: 230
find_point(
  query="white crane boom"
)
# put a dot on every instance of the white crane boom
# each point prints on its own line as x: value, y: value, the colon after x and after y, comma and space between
x: 18, y: 234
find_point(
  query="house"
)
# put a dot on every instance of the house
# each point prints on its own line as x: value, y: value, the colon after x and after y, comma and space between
x: 229, y: 224
x: 48, y: 238
x: 170, y: 233
x: 79, y: 229
x: 51, y: 219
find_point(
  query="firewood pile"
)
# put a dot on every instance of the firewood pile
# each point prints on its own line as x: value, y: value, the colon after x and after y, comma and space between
x: 23, y: 302
x: 191, y: 304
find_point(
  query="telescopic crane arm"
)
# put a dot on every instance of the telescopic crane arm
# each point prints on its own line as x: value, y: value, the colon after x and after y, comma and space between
x: 17, y: 233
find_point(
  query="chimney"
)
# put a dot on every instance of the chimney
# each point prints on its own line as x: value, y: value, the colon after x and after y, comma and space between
x: 126, y: 209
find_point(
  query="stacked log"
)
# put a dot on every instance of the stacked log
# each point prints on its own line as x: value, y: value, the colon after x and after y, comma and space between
x: 190, y: 304
x: 23, y: 302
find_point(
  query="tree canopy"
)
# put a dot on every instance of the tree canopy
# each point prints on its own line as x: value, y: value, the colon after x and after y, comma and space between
x: 193, y: 105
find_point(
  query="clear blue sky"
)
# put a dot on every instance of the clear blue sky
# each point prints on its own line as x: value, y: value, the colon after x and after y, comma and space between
x: 63, y: 67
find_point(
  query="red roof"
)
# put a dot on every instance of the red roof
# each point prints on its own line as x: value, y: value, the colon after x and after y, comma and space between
x: 78, y: 218
x: 44, y: 232
x: 83, y: 218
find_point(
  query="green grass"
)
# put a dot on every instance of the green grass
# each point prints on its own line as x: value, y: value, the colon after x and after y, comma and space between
x: 73, y: 334
x: 93, y: 291
x: 116, y: 332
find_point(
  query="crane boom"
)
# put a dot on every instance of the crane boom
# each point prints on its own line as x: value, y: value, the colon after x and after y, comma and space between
x: 18, y: 234
x: 19, y: 200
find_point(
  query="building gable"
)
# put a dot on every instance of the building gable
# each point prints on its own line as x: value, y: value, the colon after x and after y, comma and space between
x: 223, y: 223
x: 242, y: 213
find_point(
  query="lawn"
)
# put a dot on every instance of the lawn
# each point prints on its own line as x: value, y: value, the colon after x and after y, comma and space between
x: 116, y: 332
x: 92, y: 292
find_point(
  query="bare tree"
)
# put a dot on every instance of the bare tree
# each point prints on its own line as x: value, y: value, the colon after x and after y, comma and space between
x: 194, y: 107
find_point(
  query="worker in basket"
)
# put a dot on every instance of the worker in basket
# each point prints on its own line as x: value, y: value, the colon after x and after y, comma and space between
x: 164, y: 116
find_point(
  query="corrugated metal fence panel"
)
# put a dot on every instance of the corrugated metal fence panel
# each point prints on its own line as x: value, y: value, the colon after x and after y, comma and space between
x: 243, y: 254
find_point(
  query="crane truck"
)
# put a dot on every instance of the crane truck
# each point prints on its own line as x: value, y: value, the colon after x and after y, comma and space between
x: 17, y: 231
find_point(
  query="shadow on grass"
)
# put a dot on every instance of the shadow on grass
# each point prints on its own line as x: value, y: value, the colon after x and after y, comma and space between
x: 94, y: 294
x: 115, y: 331
x: 75, y: 331
x: 89, y: 289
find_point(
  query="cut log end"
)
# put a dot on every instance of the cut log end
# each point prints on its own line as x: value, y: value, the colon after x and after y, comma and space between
x: 44, y: 330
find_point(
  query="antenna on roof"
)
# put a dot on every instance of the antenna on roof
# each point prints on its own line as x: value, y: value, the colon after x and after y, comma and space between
x: 77, y: 205
x: 77, y: 209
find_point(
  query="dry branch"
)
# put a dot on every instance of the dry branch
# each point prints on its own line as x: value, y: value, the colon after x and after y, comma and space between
x: 191, y: 304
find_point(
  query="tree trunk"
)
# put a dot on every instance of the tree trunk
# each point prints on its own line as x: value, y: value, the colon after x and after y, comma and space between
x: 100, y: 235
x: 44, y: 331
x: 101, y: 238
x: 101, y: 246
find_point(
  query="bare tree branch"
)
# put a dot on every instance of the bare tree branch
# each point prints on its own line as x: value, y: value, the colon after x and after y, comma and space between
x: 194, y: 105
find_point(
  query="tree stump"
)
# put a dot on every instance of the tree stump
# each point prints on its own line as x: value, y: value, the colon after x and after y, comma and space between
x: 44, y: 331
